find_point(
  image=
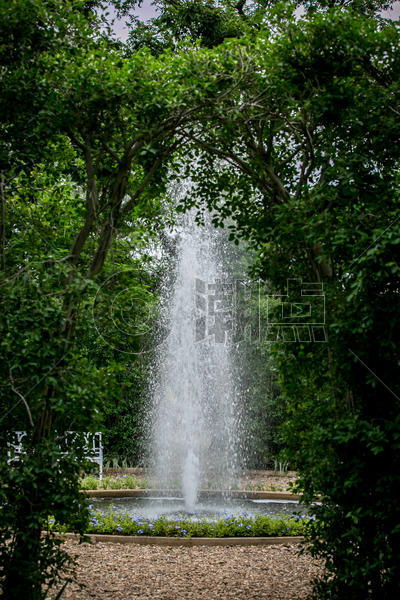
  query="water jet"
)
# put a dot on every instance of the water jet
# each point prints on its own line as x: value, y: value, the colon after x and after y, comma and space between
x: 195, y: 410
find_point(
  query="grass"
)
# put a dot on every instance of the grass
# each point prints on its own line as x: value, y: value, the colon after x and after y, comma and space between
x: 125, y: 482
x: 262, y: 487
x: 223, y: 525
x: 286, y: 485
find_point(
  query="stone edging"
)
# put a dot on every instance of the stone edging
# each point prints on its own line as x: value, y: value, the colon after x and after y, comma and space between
x: 251, y: 495
x: 175, y: 541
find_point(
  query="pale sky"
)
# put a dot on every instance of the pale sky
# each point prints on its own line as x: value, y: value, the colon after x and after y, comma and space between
x: 145, y: 12
x: 394, y: 13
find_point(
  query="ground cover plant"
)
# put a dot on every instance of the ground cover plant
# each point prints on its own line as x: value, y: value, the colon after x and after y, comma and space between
x: 221, y: 525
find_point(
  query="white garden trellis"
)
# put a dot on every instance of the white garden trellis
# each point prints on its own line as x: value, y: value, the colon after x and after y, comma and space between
x: 93, y: 447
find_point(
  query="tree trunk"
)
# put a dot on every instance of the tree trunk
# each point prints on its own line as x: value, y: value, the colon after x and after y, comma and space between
x: 23, y: 579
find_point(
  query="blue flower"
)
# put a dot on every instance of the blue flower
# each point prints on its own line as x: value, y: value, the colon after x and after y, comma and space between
x: 119, y: 528
x: 90, y: 506
x: 248, y: 527
x: 151, y: 526
x: 140, y: 530
x: 183, y: 532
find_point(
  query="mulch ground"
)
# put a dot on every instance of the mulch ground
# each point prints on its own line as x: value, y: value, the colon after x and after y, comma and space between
x: 121, y: 572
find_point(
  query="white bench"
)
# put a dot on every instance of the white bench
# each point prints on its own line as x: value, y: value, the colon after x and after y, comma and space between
x: 93, y: 447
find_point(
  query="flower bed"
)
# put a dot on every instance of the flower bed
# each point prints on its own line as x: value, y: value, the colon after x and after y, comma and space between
x: 223, y: 525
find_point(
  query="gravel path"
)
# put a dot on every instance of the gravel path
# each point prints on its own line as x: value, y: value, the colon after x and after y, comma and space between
x: 121, y: 572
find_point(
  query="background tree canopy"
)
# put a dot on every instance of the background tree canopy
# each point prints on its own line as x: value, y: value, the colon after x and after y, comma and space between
x: 289, y: 128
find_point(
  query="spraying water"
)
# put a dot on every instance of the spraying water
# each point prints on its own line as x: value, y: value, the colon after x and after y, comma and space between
x: 195, y: 418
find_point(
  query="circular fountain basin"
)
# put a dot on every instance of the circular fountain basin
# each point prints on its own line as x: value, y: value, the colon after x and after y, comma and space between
x: 173, y: 507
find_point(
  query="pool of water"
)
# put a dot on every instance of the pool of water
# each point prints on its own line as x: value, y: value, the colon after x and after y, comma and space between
x: 151, y: 508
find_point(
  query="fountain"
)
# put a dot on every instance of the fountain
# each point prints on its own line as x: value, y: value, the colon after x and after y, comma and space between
x: 195, y: 420
x: 195, y: 424
x: 196, y: 428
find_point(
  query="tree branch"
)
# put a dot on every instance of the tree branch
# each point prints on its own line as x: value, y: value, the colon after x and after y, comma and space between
x: 3, y: 222
x: 91, y: 205
x: 21, y: 397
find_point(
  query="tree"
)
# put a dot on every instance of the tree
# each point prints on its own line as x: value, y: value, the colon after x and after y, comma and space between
x: 105, y: 127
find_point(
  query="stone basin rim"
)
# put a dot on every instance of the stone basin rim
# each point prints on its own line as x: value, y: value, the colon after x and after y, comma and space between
x: 176, y: 541
x: 234, y: 495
